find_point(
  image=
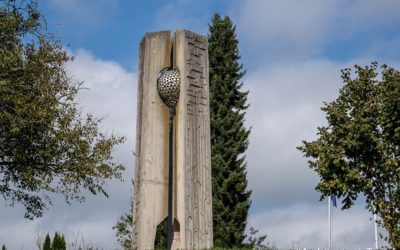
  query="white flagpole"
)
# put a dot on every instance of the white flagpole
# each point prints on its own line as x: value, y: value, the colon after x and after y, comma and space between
x: 376, y: 233
x: 329, y: 223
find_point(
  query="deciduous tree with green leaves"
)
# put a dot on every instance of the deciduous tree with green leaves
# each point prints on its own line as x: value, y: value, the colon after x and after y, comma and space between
x: 123, y: 229
x: 358, y: 151
x: 229, y: 136
x: 46, y: 145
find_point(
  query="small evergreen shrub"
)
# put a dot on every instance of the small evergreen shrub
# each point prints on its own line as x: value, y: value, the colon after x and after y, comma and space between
x: 57, y: 244
x: 47, y: 243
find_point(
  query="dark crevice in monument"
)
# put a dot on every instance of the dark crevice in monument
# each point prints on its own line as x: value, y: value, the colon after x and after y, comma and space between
x: 172, y: 54
x: 177, y: 229
x: 160, y: 242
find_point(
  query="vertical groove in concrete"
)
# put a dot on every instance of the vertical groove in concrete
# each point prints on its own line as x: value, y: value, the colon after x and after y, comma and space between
x: 192, y: 194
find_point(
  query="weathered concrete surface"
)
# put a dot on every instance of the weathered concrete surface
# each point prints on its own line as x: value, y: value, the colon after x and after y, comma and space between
x: 193, y: 148
x: 192, y: 156
x: 151, y: 173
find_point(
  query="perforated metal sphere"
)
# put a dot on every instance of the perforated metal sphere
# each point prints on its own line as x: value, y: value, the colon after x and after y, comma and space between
x: 168, y: 85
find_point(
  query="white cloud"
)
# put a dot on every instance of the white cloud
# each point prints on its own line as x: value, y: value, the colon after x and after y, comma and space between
x: 111, y: 91
x: 285, y: 109
x: 296, y: 30
x: 303, y: 225
x: 289, y: 26
x: 89, y: 223
x: 12, y: 230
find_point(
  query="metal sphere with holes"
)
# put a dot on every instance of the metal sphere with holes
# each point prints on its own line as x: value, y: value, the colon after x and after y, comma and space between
x: 168, y: 86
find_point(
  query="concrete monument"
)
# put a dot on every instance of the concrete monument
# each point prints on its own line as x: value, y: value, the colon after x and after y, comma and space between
x: 173, y: 155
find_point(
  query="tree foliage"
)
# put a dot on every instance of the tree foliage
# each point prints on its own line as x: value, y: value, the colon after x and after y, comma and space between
x: 255, y: 241
x: 123, y: 229
x: 358, y: 152
x: 46, y: 145
x: 161, y: 240
x: 58, y: 242
x: 229, y: 136
x: 47, y: 243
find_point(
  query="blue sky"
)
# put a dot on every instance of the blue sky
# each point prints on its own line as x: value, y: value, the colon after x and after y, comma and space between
x: 293, y: 52
x: 118, y: 26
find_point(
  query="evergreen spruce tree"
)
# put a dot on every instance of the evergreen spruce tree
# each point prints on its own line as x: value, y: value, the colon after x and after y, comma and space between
x: 47, y: 243
x: 63, y: 243
x: 229, y: 136
x: 58, y: 242
x: 55, y: 243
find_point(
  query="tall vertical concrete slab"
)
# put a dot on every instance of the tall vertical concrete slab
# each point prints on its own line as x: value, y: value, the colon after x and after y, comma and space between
x: 192, y: 155
x: 193, y: 146
x: 151, y: 173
